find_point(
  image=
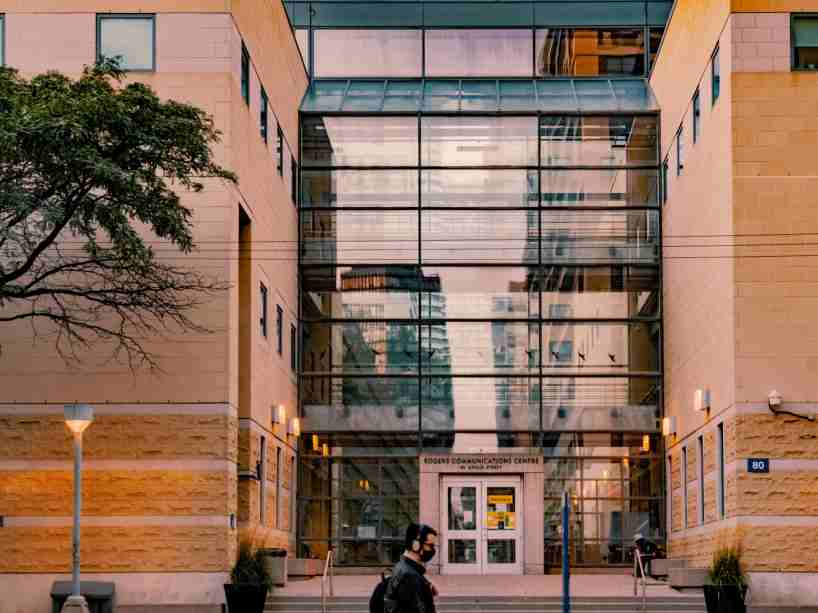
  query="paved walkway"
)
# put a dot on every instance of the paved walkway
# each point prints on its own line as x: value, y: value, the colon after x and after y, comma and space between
x: 516, y: 586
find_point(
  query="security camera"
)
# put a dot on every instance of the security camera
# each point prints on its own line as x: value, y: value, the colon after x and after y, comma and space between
x: 774, y: 400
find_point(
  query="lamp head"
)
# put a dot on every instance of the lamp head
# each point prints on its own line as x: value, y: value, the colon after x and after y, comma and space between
x: 78, y: 417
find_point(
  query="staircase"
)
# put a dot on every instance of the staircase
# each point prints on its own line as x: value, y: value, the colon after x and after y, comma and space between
x: 495, y: 604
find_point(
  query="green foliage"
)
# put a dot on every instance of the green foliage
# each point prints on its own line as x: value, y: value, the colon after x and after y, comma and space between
x: 725, y: 568
x: 249, y: 567
x: 90, y: 214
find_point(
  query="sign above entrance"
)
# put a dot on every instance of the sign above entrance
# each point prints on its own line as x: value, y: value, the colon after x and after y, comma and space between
x: 484, y: 463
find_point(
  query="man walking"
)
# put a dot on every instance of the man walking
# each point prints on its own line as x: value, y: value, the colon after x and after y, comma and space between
x: 407, y: 590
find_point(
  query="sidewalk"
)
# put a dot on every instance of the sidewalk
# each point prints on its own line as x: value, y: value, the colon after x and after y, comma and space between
x: 620, y: 585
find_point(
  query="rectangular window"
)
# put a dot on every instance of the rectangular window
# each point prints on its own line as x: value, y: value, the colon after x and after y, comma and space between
x: 805, y: 42
x: 670, y: 491
x: 700, y: 461
x: 245, y: 74
x: 720, y: 452
x: 293, y: 348
x: 279, y: 329
x: 697, y: 112
x: 130, y: 39
x: 715, y: 75
x: 684, y: 487
x: 591, y: 52
x: 2, y: 40
x: 294, y: 180
x: 479, y: 53
x: 262, y: 117
x: 262, y: 475
x: 263, y: 309
x: 680, y: 164
x: 368, y: 53
x: 278, y: 488
x: 665, y: 181
x: 279, y: 151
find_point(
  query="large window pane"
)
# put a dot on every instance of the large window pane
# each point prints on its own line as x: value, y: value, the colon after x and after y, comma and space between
x: 487, y: 404
x: 591, y: 52
x: 129, y: 39
x: 598, y: 140
x: 480, y: 348
x: 479, y: 188
x: 629, y: 237
x: 480, y: 293
x: 359, y: 404
x: 361, y: 347
x: 359, y: 237
x: 613, y: 187
x: 359, y: 141
x: 479, y: 141
x: 368, y: 53
x: 359, y: 188
x: 479, y: 236
x: 478, y: 53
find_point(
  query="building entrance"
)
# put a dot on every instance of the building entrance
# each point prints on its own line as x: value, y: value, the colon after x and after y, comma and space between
x: 482, y: 520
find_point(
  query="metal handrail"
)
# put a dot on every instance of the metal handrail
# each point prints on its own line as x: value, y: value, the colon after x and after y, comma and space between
x: 639, y: 575
x: 329, y: 564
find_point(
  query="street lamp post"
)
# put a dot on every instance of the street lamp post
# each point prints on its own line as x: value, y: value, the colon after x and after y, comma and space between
x: 77, y: 417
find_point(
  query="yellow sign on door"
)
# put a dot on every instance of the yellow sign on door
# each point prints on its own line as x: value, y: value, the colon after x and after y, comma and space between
x: 501, y: 499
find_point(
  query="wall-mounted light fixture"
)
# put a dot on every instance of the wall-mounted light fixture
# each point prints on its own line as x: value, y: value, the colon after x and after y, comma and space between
x: 295, y: 427
x: 701, y: 400
x: 279, y: 415
x: 646, y: 442
x: 325, y: 450
x: 315, y: 443
x: 669, y: 426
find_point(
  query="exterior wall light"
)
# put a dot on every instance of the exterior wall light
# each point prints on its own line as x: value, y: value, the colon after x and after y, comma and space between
x: 315, y: 443
x: 668, y: 426
x: 325, y: 450
x: 701, y: 400
x: 646, y: 442
x: 280, y: 415
x: 295, y: 427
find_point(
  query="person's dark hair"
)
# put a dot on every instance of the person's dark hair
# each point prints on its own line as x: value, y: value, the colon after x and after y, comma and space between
x: 417, y: 532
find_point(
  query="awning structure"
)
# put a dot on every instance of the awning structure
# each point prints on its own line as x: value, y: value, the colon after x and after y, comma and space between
x: 479, y: 96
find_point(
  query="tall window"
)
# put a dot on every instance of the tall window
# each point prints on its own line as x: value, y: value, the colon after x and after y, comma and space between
x: 263, y: 309
x: 279, y: 329
x: 278, y: 488
x: 700, y: 461
x: 262, y: 475
x: 294, y: 180
x: 245, y: 74
x: 293, y: 347
x: 670, y: 491
x: 279, y: 151
x: 2, y: 40
x: 805, y: 42
x: 680, y: 164
x: 715, y: 75
x: 697, y: 112
x: 262, y: 117
x: 720, y: 457
x: 684, y: 487
x: 131, y: 39
x: 665, y: 181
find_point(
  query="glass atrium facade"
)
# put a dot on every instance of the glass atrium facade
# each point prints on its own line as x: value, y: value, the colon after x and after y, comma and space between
x: 479, y: 260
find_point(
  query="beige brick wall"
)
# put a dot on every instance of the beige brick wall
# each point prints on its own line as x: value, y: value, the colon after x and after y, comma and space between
x: 761, y: 42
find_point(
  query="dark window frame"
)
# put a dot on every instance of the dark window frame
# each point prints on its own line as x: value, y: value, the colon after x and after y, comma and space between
x: 722, y: 512
x: 279, y: 150
x: 279, y: 329
x: 264, y: 296
x: 263, y: 116
x: 101, y: 17
x: 700, y: 475
x: 697, y: 114
x: 793, y: 18
x: 665, y: 179
x: 685, y: 518
x: 294, y: 180
x: 293, y: 348
x: 3, y: 41
x: 715, y: 75
x: 245, y: 74
x: 679, y: 151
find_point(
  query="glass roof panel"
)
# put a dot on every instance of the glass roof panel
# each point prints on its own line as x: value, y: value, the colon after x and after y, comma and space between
x: 473, y: 95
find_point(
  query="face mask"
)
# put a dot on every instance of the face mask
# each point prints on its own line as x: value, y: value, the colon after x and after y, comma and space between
x: 427, y: 554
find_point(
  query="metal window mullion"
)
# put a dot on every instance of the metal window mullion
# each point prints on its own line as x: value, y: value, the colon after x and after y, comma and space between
x: 419, y: 271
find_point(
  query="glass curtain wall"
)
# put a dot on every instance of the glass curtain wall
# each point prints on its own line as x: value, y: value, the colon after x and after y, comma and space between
x: 477, y: 284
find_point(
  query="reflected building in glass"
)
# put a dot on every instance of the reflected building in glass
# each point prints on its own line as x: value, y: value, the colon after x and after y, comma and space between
x: 480, y: 273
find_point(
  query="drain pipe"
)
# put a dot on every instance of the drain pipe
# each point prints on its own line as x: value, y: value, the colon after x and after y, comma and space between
x: 566, y: 572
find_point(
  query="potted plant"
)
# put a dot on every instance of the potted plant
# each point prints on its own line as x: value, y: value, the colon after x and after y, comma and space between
x: 726, y: 584
x: 249, y: 582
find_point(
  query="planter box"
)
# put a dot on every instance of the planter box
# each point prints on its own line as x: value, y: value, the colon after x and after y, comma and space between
x: 305, y: 567
x: 724, y: 599
x: 682, y: 577
x: 245, y: 597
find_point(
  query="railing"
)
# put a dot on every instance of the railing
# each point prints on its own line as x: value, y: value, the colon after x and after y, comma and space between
x: 639, y: 577
x: 328, y: 573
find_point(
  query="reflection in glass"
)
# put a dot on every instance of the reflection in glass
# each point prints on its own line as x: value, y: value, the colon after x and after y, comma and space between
x: 359, y: 141
x: 479, y: 141
x: 655, y: 40
x: 359, y: 188
x: 462, y: 551
x: 478, y: 53
x: 598, y: 140
x: 502, y: 551
x: 302, y: 37
x: 479, y: 188
x: 614, y: 187
x: 588, y: 52
x: 130, y: 39
x: 367, y: 53
x: 462, y: 508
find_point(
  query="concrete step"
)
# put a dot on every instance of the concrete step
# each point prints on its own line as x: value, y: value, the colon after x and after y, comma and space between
x: 496, y: 604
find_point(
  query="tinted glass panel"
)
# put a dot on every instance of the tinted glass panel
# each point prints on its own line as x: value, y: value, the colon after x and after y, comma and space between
x: 359, y: 188
x: 359, y: 237
x: 479, y: 141
x: 598, y: 140
x: 368, y: 53
x: 591, y: 52
x: 362, y: 347
x: 615, y: 187
x: 302, y: 37
x: 360, y: 141
x: 478, y: 53
x: 479, y: 188
x: 128, y: 39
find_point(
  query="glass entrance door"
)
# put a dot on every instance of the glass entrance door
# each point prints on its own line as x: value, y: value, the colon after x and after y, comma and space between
x: 482, y: 526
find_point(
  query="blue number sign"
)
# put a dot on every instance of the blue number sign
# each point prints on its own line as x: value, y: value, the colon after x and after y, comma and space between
x: 758, y: 465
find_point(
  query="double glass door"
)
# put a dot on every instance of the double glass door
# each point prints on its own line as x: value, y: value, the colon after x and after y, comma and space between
x: 482, y: 520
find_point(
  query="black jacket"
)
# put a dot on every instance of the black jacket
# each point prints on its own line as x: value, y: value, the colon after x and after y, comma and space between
x: 408, y: 590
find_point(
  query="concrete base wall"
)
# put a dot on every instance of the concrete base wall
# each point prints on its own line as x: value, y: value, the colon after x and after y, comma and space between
x: 199, y: 592
x: 775, y: 590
